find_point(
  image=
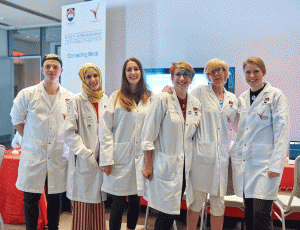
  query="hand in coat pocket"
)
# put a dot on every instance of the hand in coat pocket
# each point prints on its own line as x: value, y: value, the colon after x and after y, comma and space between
x: 106, y: 169
x: 273, y: 174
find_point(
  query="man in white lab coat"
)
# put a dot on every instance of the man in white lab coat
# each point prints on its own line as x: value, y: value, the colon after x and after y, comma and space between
x: 44, y: 107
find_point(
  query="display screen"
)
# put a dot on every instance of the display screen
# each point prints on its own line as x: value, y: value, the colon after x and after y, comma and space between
x: 157, y: 79
x: 294, y: 149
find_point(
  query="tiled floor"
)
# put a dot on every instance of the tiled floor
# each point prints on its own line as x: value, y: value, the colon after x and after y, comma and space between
x: 230, y: 223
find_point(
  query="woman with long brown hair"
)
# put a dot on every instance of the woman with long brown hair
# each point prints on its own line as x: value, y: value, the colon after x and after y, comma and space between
x: 121, y: 156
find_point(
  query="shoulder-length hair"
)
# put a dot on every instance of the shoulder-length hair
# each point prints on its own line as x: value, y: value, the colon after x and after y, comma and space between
x: 257, y: 61
x: 125, y: 96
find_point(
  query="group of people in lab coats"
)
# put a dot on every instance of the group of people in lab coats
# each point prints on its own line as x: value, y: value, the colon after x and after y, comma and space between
x: 156, y: 146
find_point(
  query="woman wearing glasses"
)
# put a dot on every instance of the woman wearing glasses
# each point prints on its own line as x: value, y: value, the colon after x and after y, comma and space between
x: 209, y: 171
x: 261, y: 146
x: 167, y: 142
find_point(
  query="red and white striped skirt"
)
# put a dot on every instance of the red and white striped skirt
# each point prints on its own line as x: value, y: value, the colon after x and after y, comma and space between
x: 88, y: 216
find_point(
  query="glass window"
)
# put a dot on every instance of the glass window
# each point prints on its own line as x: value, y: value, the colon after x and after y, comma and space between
x: 27, y: 72
x: 25, y: 41
x: 53, y: 40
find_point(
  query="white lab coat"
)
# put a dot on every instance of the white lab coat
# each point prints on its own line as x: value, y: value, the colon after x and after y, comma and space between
x: 81, y: 136
x: 170, y: 137
x: 209, y: 172
x: 43, y: 146
x: 16, y: 141
x: 262, y: 143
x: 121, y: 147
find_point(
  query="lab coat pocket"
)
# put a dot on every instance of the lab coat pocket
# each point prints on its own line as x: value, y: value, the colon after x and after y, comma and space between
x: 122, y: 152
x: 264, y: 114
x: 205, y: 153
x: 261, y: 154
x: 87, y: 165
x: 165, y: 166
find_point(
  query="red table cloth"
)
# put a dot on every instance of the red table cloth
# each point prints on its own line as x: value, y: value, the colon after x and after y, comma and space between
x: 11, y: 199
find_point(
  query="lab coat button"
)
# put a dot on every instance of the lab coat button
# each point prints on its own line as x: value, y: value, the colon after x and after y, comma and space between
x: 49, y: 143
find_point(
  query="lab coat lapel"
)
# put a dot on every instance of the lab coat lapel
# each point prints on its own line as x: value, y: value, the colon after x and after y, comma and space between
x: 226, y: 99
x: 44, y: 93
x: 213, y: 96
x: 89, y: 105
x: 190, y: 112
x: 57, y: 98
x: 177, y: 105
x: 248, y: 106
x: 260, y: 96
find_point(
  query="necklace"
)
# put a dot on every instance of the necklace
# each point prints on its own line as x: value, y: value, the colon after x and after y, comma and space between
x: 253, y: 97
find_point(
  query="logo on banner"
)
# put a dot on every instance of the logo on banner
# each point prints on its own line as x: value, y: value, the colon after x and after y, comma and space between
x: 95, y: 11
x: 70, y: 14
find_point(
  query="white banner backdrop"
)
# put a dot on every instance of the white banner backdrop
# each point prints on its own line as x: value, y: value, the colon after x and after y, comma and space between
x: 82, y: 41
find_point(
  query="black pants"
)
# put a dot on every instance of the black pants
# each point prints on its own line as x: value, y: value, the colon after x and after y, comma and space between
x: 31, y: 209
x: 258, y: 214
x: 117, y: 210
x: 165, y: 221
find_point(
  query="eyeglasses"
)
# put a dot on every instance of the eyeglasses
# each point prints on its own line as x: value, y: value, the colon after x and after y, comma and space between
x: 219, y: 70
x: 185, y: 75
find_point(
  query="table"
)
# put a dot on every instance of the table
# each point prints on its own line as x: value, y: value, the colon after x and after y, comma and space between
x: 11, y: 199
x: 287, y: 180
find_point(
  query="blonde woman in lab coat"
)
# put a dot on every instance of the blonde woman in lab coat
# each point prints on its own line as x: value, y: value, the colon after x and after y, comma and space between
x: 121, y: 155
x: 209, y: 170
x: 261, y: 147
x: 167, y: 143
x: 81, y: 136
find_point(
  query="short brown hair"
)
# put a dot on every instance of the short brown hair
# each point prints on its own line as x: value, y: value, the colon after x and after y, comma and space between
x: 52, y: 57
x: 257, y: 61
x: 184, y: 66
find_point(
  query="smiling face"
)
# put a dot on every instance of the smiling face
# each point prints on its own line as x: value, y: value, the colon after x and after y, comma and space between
x: 181, y: 80
x: 133, y: 73
x: 217, y: 76
x: 253, y: 76
x: 52, y: 70
x: 92, y: 79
